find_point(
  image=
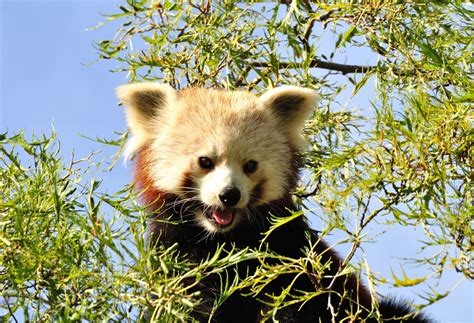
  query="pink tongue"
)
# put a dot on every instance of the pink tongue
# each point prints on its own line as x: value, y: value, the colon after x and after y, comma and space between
x: 223, y: 217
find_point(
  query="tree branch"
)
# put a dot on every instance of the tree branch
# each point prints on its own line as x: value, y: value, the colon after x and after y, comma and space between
x: 343, y: 68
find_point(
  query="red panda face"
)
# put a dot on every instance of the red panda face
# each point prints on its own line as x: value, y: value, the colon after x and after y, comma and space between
x: 222, y: 152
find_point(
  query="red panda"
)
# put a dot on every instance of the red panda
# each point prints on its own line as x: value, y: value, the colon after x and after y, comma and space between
x: 220, y: 162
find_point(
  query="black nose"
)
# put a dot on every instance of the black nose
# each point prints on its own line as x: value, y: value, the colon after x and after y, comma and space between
x: 230, y: 196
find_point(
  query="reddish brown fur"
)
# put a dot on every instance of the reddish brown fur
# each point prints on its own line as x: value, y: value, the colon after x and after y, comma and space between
x: 149, y: 195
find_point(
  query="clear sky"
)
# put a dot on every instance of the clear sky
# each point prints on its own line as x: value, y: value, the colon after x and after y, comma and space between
x: 46, y: 79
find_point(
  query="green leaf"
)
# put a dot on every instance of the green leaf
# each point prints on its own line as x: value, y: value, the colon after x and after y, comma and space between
x: 360, y: 84
x: 344, y: 38
x: 431, y: 53
x: 405, y: 281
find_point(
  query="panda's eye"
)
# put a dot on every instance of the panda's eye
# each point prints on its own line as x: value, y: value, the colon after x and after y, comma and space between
x: 205, y: 163
x: 250, y: 166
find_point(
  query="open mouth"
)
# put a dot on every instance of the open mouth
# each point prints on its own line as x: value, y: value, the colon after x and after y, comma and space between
x: 221, y: 216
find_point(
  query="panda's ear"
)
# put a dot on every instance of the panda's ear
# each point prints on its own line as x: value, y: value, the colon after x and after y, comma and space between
x: 291, y: 106
x: 144, y: 103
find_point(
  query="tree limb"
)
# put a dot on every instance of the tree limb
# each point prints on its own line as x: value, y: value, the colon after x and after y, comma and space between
x: 343, y: 68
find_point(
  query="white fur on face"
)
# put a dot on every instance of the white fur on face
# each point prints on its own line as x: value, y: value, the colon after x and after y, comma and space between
x: 223, y: 176
x: 230, y: 133
x: 230, y: 141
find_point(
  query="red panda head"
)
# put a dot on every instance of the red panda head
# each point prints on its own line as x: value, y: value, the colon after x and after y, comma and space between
x: 221, y: 152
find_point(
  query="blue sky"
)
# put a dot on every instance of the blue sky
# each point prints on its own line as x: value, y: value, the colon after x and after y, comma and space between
x: 47, y: 79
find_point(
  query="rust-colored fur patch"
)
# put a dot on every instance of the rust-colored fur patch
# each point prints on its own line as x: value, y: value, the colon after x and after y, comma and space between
x: 151, y: 197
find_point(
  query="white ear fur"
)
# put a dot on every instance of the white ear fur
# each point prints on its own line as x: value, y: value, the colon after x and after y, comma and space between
x: 292, y: 106
x: 143, y: 104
